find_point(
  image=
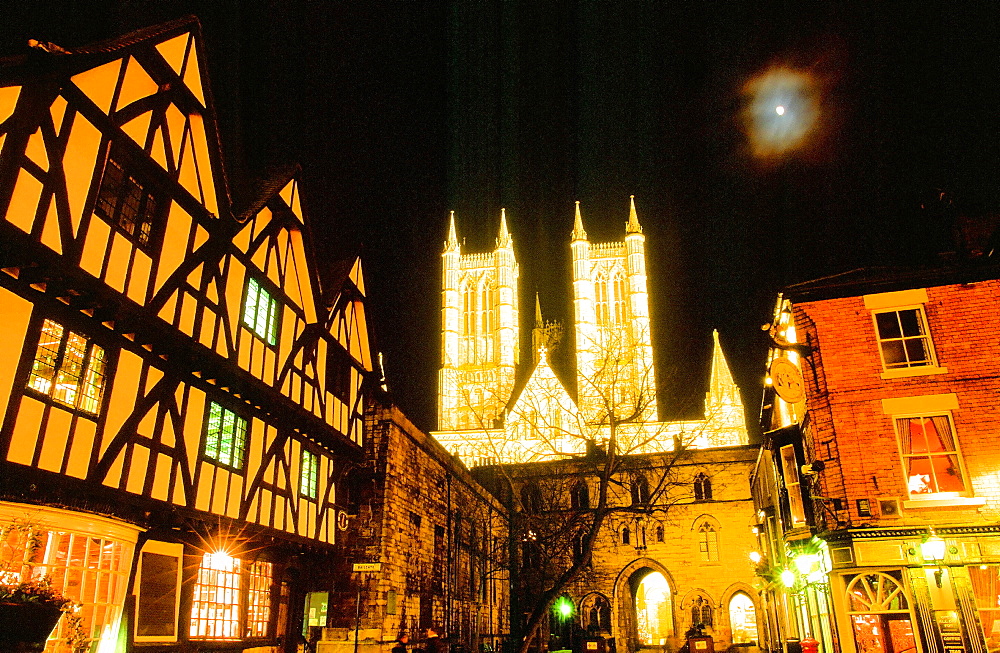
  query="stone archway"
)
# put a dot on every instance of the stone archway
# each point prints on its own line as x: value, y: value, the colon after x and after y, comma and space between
x: 641, y: 616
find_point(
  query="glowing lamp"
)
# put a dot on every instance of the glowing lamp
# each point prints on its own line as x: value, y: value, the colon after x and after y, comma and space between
x: 564, y: 607
x: 754, y: 557
x: 933, y: 548
x: 787, y: 578
x: 780, y: 110
x: 806, y: 563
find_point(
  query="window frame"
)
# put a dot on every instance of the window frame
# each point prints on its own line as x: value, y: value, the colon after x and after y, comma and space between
x: 313, y: 479
x: 903, y: 457
x: 149, y: 191
x: 243, y: 608
x: 708, y: 541
x: 203, y: 454
x: 85, y: 369
x: 174, y: 550
x: 263, y: 286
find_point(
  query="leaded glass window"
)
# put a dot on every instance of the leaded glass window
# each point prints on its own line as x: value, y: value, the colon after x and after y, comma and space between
x: 68, y: 368
x: 127, y: 203
x: 308, y: 479
x: 260, y: 312
x: 225, y: 436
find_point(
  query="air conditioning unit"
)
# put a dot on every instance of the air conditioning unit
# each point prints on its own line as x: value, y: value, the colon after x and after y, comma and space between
x: 889, y: 507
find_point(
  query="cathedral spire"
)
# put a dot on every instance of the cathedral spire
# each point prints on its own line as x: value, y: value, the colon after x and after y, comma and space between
x: 722, y: 388
x: 538, y: 312
x: 503, y: 240
x: 633, y: 226
x: 452, y: 242
x: 578, y: 232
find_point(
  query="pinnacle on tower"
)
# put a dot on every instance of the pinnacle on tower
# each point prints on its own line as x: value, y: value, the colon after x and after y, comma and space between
x: 633, y: 226
x: 721, y: 386
x: 452, y: 241
x: 578, y: 232
x: 503, y: 240
x: 538, y: 312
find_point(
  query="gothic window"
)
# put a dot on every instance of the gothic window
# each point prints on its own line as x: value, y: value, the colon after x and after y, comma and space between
x: 619, y: 300
x: 578, y: 547
x: 659, y: 533
x: 580, y: 496
x: 702, y: 488
x: 68, y: 368
x: 701, y: 612
x: 531, y: 499
x: 601, y: 300
x: 708, y: 542
x: 640, y: 490
x: 626, y: 536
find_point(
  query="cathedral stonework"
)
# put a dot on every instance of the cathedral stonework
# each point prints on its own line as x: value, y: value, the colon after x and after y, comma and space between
x: 485, y: 417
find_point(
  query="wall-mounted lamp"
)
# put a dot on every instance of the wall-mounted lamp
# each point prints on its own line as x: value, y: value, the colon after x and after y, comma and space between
x: 933, y: 549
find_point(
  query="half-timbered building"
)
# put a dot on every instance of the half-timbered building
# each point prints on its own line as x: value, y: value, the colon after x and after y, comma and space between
x: 179, y: 396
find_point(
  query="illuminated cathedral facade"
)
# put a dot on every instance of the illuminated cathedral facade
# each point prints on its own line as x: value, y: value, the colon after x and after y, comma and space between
x: 487, y: 413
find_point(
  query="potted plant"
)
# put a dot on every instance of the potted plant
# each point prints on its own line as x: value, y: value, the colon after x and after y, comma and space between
x: 30, y: 607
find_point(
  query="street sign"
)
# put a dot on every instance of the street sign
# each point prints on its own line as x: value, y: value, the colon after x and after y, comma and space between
x: 367, y: 566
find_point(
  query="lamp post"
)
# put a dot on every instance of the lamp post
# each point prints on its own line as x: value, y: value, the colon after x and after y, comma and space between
x: 933, y: 549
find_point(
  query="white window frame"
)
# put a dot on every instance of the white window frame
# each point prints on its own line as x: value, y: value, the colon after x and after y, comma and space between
x: 957, y: 452
x: 893, y: 302
x: 174, y: 551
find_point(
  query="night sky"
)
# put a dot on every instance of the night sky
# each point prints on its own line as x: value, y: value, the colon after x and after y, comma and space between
x: 401, y: 111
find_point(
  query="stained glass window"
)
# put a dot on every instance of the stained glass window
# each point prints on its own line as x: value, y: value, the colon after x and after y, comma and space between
x: 68, y: 368
x: 260, y: 312
x: 309, y: 474
x: 124, y: 202
x: 225, y: 436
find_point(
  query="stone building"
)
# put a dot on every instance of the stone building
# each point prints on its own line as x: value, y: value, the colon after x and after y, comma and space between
x: 877, y: 487
x: 665, y: 548
x: 437, y: 537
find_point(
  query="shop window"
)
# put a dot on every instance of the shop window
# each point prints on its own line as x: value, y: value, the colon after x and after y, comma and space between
x: 742, y: 619
x: 68, y: 369
x: 225, y: 437
x: 260, y: 312
x: 223, y: 584
x: 903, y: 337
x: 930, y: 455
x: 309, y: 475
x: 702, y: 488
x: 880, y: 613
x: 158, y: 601
x: 126, y: 202
x: 708, y: 542
x: 986, y: 588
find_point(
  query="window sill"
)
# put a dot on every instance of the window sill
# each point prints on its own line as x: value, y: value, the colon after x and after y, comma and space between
x: 945, y: 502
x: 904, y: 372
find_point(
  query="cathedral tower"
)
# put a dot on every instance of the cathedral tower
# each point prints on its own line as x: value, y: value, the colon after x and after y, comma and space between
x: 614, y: 352
x: 479, y: 347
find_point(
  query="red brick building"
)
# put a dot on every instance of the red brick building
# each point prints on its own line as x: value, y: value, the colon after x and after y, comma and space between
x: 878, y: 488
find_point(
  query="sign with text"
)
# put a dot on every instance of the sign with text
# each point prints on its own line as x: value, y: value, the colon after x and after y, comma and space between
x: 367, y: 566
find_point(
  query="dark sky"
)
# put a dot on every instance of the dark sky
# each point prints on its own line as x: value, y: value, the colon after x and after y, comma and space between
x: 400, y: 111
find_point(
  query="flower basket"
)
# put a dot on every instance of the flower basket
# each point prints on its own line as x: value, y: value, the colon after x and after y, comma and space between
x: 24, y: 627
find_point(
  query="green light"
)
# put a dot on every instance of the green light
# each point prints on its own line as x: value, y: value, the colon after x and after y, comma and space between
x: 788, y: 578
x: 564, y: 607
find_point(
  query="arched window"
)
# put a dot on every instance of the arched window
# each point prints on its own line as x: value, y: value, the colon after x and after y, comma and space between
x: 601, y: 300
x: 659, y: 533
x: 619, y: 305
x: 531, y: 499
x: 640, y: 490
x: 701, y: 612
x: 578, y: 547
x: 708, y: 542
x: 579, y: 496
x: 626, y: 536
x: 742, y: 619
x: 702, y: 488
x: 880, y: 613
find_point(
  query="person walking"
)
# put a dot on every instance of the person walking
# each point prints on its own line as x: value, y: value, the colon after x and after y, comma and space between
x: 401, y: 642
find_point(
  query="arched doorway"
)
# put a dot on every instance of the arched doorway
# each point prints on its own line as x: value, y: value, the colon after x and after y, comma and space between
x: 743, y: 619
x: 654, y: 612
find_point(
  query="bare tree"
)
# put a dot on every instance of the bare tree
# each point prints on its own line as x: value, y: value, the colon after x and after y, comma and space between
x: 566, y: 471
